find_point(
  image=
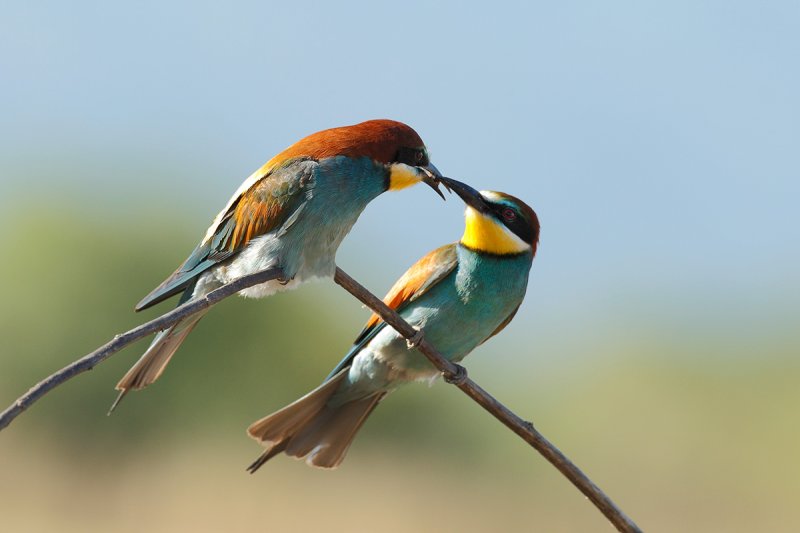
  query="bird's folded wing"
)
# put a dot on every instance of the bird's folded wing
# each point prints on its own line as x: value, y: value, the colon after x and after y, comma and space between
x: 417, y: 280
x: 269, y: 203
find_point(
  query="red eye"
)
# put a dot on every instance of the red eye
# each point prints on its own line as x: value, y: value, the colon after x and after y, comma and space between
x: 509, y: 214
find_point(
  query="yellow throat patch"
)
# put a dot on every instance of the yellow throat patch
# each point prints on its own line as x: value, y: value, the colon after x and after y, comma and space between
x: 485, y: 234
x: 402, y: 176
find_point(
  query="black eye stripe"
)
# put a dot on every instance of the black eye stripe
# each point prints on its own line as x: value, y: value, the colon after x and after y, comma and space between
x: 411, y: 156
x: 501, y: 209
x: 517, y: 224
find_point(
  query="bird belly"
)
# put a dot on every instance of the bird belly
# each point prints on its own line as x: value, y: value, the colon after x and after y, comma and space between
x: 305, y: 246
x: 304, y: 253
x: 387, y: 362
x: 260, y: 254
x: 374, y: 371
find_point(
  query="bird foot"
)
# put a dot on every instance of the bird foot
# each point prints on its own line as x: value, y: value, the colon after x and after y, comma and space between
x: 456, y: 378
x: 416, y: 340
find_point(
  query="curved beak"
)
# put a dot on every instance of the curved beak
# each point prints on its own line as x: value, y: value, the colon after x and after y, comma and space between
x: 470, y: 196
x: 432, y: 177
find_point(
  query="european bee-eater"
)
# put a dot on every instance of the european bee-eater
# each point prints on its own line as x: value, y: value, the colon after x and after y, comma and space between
x: 292, y: 213
x: 459, y: 295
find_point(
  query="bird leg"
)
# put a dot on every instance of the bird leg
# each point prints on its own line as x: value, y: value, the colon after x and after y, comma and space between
x: 415, y: 341
x: 456, y: 378
x: 282, y: 279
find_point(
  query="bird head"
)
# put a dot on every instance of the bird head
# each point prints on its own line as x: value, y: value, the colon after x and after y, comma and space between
x: 391, y: 143
x: 496, y: 223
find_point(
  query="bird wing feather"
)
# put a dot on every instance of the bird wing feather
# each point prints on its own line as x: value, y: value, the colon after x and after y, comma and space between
x: 270, y: 203
x: 419, y: 279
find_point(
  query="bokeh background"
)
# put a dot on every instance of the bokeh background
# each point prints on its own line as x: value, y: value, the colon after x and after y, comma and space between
x: 658, y: 346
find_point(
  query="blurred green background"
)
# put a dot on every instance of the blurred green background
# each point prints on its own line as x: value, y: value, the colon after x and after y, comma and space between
x: 658, y: 346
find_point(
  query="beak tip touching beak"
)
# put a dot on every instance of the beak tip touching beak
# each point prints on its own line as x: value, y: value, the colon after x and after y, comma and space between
x: 470, y: 196
x: 433, y: 178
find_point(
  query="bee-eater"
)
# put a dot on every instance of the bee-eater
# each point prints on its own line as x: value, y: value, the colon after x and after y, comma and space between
x: 459, y: 295
x: 291, y: 214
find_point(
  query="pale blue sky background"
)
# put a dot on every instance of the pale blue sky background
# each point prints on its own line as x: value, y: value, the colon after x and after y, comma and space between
x: 658, y: 141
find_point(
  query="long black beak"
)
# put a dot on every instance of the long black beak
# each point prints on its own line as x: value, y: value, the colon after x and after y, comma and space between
x: 432, y: 178
x: 470, y: 196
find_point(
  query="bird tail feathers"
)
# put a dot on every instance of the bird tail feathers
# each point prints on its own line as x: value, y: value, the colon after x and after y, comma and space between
x: 311, y: 428
x: 152, y: 363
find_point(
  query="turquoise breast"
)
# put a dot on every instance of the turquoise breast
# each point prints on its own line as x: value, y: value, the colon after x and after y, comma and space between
x: 470, y: 304
x: 457, y: 314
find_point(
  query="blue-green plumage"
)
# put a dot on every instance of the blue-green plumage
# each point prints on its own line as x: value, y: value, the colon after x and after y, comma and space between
x: 458, y: 295
x: 315, y: 203
x: 457, y: 314
x: 291, y: 214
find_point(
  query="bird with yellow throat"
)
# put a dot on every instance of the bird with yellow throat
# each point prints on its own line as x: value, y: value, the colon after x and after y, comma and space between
x: 459, y: 295
x: 291, y: 214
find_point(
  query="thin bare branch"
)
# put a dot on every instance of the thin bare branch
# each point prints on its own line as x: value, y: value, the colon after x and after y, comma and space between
x: 120, y: 341
x: 452, y: 373
x: 457, y: 375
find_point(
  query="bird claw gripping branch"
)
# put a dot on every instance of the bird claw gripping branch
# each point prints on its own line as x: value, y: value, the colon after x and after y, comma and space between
x: 415, y: 341
x: 456, y: 378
